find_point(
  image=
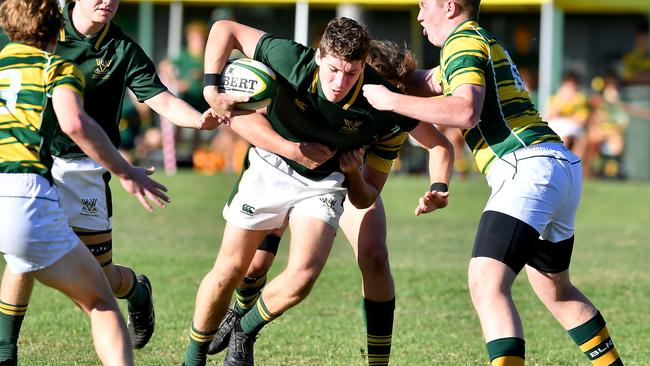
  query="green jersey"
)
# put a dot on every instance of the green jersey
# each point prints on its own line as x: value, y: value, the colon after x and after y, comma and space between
x: 509, y: 119
x: 28, y: 76
x: 111, y: 62
x: 301, y: 112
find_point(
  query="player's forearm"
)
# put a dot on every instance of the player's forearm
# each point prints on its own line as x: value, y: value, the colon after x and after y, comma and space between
x: 174, y: 109
x: 256, y: 129
x: 360, y: 193
x: 441, y: 163
x: 93, y: 141
x: 449, y: 111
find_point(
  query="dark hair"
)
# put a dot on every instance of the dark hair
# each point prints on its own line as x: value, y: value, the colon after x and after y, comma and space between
x: 33, y: 22
x: 391, y: 61
x: 345, y: 38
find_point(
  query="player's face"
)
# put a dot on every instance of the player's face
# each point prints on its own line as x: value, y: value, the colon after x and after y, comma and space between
x: 431, y: 18
x: 337, y: 76
x: 98, y: 11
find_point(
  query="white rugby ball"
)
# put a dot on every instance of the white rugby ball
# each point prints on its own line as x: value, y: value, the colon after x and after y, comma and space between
x: 245, y: 76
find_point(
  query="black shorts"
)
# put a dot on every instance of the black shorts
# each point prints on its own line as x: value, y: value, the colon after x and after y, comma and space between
x: 515, y: 243
x: 270, y: 244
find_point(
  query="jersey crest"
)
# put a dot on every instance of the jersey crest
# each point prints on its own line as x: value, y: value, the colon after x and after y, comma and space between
x: 102, y: 69
x: 351, y: 127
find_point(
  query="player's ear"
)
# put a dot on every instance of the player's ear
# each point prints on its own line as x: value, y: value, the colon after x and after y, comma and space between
x: 318, y: 57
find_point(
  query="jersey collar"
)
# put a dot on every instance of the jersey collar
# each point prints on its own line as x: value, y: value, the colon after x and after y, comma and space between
x: 351, y: 97
x: 69, y: 32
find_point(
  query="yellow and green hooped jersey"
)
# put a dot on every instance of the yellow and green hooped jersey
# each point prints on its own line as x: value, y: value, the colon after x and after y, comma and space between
x: 509, y: 120
x: 28, y: 77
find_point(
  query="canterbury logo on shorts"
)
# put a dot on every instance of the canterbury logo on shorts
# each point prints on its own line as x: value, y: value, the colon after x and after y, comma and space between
x: 247, y: 209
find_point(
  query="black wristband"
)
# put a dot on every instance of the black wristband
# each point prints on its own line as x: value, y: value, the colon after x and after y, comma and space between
x: 438, y: 186
x: 211, y: 79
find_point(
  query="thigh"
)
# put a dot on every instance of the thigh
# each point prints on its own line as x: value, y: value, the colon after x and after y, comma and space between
x: 365, y: 229
x: 79, y: 277
x: 311, y: 243
x: 84, y: 192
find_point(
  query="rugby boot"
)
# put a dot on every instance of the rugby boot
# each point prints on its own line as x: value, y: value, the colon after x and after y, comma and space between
x: 222, y: 338
x: 240, y: 348
x: 142, y: 318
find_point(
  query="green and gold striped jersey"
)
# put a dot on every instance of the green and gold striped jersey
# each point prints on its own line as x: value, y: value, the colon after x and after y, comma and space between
x: 301, y: 112
x: 28, y: 76
x: 509, y: 119
x: 111, y: 62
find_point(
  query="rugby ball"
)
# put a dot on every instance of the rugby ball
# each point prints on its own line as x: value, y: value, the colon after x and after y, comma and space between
x: 245, y: 76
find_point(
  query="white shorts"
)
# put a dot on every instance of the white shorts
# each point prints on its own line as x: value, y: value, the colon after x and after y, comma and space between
x: 34, y: 232
x: 83, y: 192
x: 270, y: 191
x: 539, y: 185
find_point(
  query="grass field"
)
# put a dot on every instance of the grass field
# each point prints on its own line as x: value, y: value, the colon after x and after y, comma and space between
x: 435, y: 323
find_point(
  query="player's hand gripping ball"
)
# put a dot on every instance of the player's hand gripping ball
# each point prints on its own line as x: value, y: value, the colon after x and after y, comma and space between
x: 245, y: 76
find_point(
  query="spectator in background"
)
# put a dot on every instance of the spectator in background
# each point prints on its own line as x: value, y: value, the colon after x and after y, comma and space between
x: 568, y: 112
x: 605, y: 137
x: 636, y: 63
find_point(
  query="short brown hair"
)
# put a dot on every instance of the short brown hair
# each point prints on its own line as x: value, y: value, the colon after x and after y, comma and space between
x: 33, y: 22
x: 345, y: 38
x: 391, y: 61
x: 469, y: 7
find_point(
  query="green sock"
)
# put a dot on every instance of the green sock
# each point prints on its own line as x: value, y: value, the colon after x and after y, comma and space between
x: 257, y: 318
x: 11, y: 319
x: 246, y: 296
x: 378, y: 316
x: 197, y: 349
x: 593, y: 339
x: 138, y: 294
x: 507, y: 351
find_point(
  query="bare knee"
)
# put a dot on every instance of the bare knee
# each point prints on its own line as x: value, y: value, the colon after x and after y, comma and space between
x: 374, y: 261
x: 303, y: 281
x: 552, y: 286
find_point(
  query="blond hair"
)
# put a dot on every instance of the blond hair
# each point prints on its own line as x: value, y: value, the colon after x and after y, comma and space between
x: 33, y: 22
x: 345, y: 38
x: 391, y: 61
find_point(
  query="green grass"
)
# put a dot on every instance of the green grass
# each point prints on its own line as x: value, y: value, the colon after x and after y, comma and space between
x: 435, y: 323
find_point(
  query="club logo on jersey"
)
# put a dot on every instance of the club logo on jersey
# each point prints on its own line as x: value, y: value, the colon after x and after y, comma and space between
x: 351, y: 127
x: 328, y: 202
x: 102, y: 69
x: 247, y: 209
x: 89, y: 206
x: 300, y: 104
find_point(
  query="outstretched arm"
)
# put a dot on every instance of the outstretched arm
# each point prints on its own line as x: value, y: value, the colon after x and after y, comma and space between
x: 90, y: 137
x: 180, y: 113
x: 462, y: 109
